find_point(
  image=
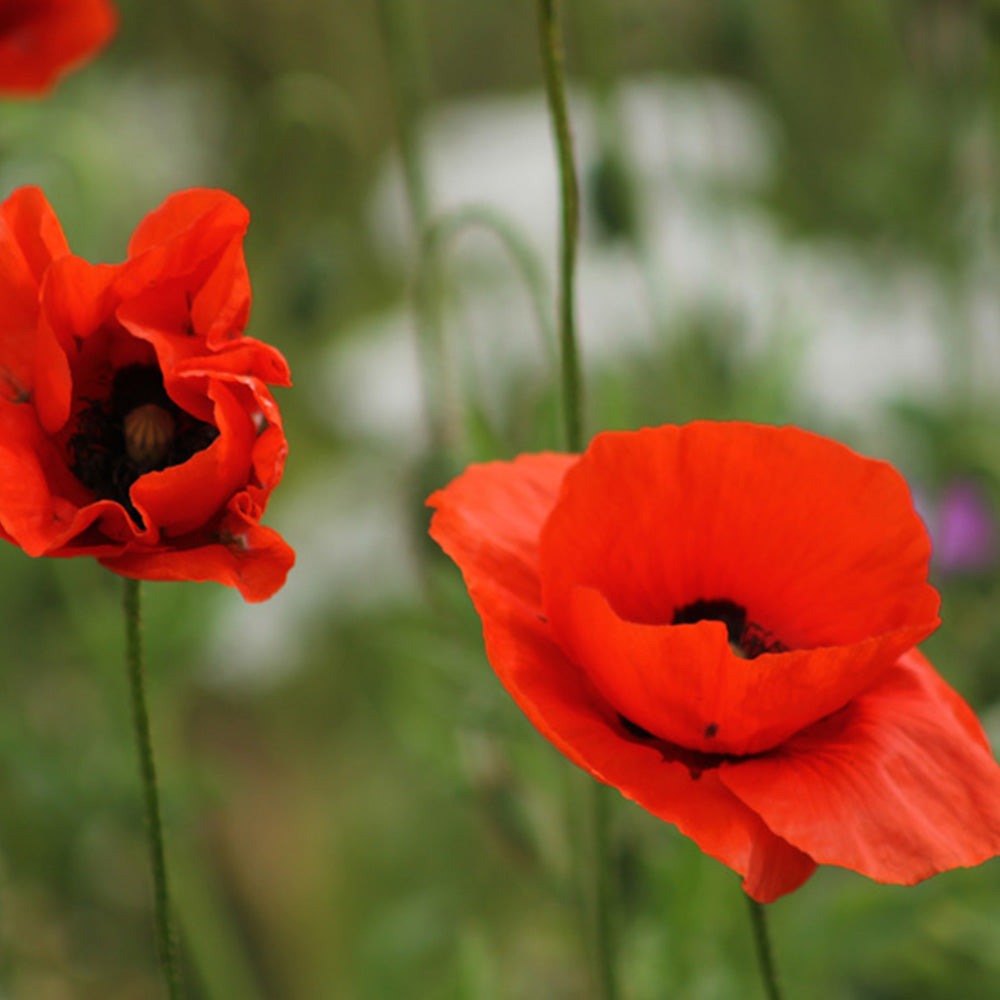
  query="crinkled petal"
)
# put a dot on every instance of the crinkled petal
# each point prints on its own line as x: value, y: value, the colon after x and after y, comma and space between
x: 28, y: 222
x: 221, y: 308
x: 76, y: 302
x: 248, y: 357
x: 898, y: 786
x: 38, y: 497
x: 242, y: 554
x: 30, y: 239
x: 180, y: 498
x: 43, y: 507
x: 195, y: 223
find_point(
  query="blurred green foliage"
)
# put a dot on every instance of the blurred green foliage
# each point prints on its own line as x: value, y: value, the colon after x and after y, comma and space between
x: 373, y: 818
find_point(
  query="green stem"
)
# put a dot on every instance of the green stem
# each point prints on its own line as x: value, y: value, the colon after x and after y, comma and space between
x: 529, y: 266
x: 762, y: 945
x: 595, y: 856
x: 147, y: 772
x: 550, y: 38
x: 409, y: 91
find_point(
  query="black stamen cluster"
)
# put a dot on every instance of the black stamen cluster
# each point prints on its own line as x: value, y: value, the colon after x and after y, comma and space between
x: 98, y: 456
x: 746, y: 636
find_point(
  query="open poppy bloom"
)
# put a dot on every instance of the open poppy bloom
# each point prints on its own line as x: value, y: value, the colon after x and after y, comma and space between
x: 719, y: 620
x: 40, y: 40
x: 136, y: 425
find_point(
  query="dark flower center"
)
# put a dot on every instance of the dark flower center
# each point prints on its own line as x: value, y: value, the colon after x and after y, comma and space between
x: 137, y: 428
x: 746, y: 638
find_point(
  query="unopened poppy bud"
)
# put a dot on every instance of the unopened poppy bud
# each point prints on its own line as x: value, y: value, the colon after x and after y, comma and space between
x: 149, y: 433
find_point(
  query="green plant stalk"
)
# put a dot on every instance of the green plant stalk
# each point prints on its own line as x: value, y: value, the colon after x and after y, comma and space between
x: 595, y: 854
x: 147, y: 773
x: 409, y: 90
x: 450, y: 225
x: 762, y: 946
x: 550, y: 39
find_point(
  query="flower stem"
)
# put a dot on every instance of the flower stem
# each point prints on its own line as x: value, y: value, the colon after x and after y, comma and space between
x: 762, y: 945
x: 408, y: 90
x: 595, y: 855
x: 147, y: 772
x: 550, y: 38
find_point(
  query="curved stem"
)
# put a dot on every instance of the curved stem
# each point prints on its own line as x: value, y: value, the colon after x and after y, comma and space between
x: 550, y: 38
x: 450, y: 224
x: 596, y: 854
x: 147, y: 772
x: 762, y: 945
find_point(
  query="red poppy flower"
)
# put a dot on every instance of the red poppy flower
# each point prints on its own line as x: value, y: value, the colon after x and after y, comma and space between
x: 40, y: 40
x: 135, y: 422
x: 719, y: 620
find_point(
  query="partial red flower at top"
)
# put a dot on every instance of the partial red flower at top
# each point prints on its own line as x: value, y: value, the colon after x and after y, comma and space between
x: 41, y: 40
x: 719, y: 620
x: 136, y: 425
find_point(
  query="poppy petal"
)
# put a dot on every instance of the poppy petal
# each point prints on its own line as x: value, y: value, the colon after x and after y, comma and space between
x: 245, y: 555
x: 685, y: 684
x: 181, y: 497
x: 488, y: 521
x: 30, y: 239
x: 28, y: 221
x: 898, y: 786
x: 76, y: 301
x: 38, y: 497
x: 249, y: 358
x: 41, y: 41
x: 221, y: 308
x: 201, y: 220
x: 820, y: 546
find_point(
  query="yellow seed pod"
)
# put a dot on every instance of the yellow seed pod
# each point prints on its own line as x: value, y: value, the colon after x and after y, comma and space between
x: 149, y: 432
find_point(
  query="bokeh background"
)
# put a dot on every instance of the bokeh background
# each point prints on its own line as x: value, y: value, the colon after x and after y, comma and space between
x: 791, y: 215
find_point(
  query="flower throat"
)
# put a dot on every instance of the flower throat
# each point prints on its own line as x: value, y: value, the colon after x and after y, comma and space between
x: 746, y: 638
x: 136, y: 429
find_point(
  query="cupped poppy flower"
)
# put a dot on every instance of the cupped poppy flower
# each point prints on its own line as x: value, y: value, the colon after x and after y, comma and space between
x: 40, y: 40
x: 136, y: 425
x: 720, y: 620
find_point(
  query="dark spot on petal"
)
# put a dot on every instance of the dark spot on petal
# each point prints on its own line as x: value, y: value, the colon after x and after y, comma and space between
x: 711, y: 730
x: 14, y: 390
x: 696, y: 761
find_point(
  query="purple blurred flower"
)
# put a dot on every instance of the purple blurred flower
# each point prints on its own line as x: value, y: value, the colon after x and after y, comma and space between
x: 965, y: 529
